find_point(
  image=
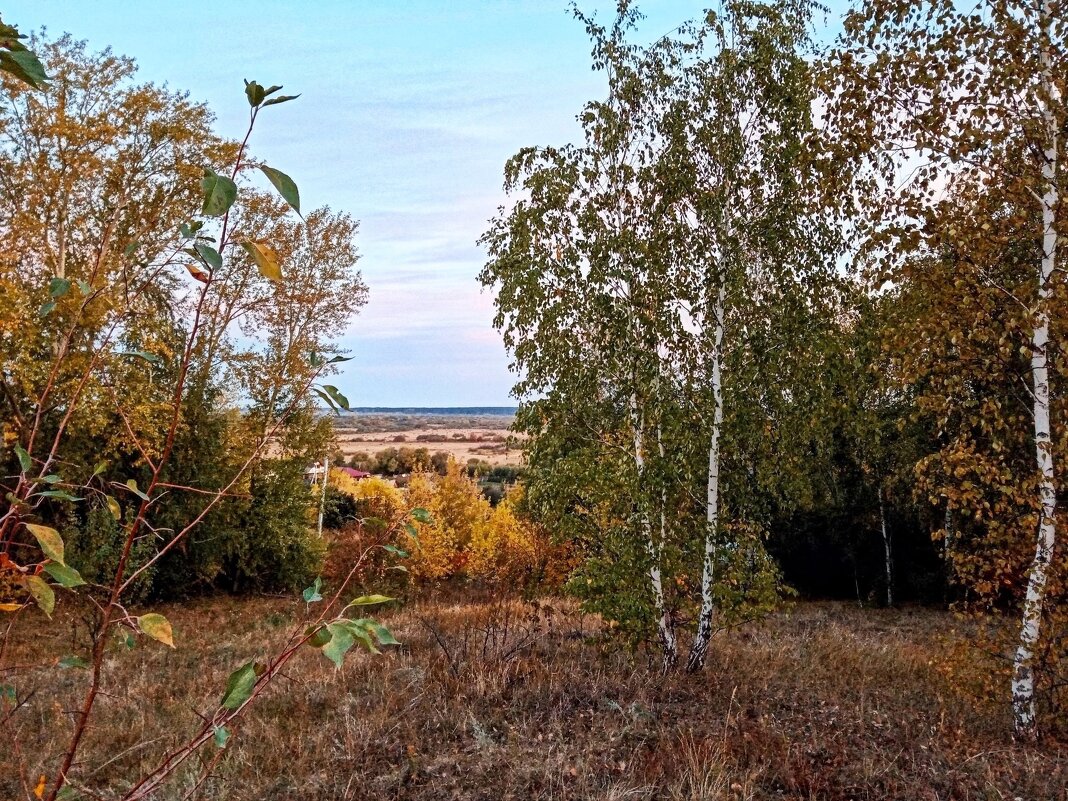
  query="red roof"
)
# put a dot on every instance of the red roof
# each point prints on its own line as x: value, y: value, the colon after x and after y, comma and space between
x: 353, y: 473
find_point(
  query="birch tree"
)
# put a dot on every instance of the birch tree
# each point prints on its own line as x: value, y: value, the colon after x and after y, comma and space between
x: 939, y: 102
x: 646, y: 281
x: 737, y: 121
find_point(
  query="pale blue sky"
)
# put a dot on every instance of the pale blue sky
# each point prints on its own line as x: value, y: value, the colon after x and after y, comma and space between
x: 409, y: 109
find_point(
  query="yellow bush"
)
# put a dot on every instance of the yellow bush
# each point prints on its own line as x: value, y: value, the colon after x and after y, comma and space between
x: 457, y: 511
x: 374, y: 496
x: 513, y: 550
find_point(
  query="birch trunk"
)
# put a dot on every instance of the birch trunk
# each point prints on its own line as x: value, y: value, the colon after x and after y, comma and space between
x: 322, y: 496
x: 665, y: 630
x: 701, y: 638
x: 1023, y: 682
x: 886, y: 548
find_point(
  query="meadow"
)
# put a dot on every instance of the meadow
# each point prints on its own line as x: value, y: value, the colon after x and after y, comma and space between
x: 493, y: 697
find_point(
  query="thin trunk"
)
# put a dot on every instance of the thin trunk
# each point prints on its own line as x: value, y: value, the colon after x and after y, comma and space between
x: 703, y: 635
x: 1023, y: 682
x: 664, y: 628
x: 322, y: 497
x: 947, y: 539
x: 886, y: 548
x: 947, y: 553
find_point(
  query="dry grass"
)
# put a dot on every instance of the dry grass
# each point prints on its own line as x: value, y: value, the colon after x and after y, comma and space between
x: 462, y: 444
x: 501, y: 699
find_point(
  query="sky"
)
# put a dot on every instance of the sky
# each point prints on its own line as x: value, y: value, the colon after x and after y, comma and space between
x: 408, y: 111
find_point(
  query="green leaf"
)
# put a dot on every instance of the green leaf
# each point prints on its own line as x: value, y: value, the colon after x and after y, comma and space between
x: 188, y: 230
x: 101, y: 466
x: 285, y: 186
x: 58, y: 287
x: 369, y: 600
x: 361, y: 630
x: 25, y: 462
x: 51, y: 478
x: 68, y: 793
x: 221, y: 735
x: 42, y: 593
x: 274, y: 101
x: 73, y: 662
x: 219, y: 193
x: 157, y: 627
x: 49, y: 540
x: 312, y: 594
x: 84, y: 288
x: 47, y: 308
x: 131, y: 484
x: 326, y: 398
x: 336, y: 396
x: 319, y: 636
x: 421, y: 515
x: 60, y: 495
x: 210, y: 255
x: 64, y: 575
x: 255, y: 93
x: 341, y: 640
x: 151, y: 358
x: 393, y: 549
x: 339, y: 359
x: 382, y: 634
x: 239, y: 686
x: 113, y: 507
x: 25, y: 66
x: 361, y: 634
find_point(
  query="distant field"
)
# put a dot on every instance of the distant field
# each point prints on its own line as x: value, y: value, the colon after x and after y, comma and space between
x: 464, y: 435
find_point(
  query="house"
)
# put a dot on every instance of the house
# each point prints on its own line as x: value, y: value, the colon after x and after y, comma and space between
x: 353, y: 473
x: 313, y: 473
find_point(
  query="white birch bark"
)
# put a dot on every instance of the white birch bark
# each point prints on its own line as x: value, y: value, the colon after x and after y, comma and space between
x: 665, y: 630
x: 1023, y: 680
x: 322, y: 496
x: 886, y: 548
x: 701, y: 639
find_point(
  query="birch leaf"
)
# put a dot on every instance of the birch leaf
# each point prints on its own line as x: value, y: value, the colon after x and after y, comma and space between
x: 266, y: 258
x: 49, y: 540
x: 157, y: 627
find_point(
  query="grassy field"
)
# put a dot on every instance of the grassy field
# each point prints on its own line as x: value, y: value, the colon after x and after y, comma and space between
x: 483, y: 437
x: 506, y: 699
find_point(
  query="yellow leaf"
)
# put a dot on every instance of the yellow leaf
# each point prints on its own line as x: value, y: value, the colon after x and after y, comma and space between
x: 266, y: 258
x: 39, y: 790
x: 157, y: 627
x: 42, y: 593
x: 10, y: 607
x: 49, y: 540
